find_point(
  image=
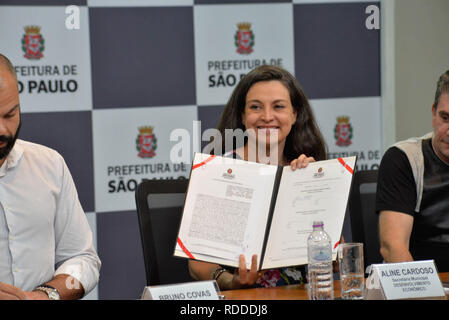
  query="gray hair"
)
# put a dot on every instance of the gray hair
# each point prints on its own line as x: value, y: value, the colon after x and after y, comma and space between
x: 442, y: 86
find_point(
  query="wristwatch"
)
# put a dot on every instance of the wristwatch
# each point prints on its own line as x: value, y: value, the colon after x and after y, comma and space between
x: 218, y: 272
x: 52, y: 293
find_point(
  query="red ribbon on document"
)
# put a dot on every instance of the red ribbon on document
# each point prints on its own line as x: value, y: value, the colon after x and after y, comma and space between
x: 187, y: 252
x: 203, y: 162
x: 344, y: 164
x: 336, y: 245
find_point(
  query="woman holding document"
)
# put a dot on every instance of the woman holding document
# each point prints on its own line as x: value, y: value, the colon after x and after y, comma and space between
x: 270, y: 107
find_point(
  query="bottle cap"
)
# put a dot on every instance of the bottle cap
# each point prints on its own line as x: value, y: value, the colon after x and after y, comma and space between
x: 317, y: 224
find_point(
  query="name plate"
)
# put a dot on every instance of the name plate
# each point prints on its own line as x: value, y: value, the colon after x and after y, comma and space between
x: 198, y: 290
x: 406, y: 280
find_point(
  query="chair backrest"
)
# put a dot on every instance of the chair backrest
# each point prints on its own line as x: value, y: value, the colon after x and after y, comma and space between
x: 159, y: 209
x: 364, y: 220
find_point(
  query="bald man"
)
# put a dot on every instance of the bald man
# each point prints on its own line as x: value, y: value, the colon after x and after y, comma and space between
x: 46, y: 248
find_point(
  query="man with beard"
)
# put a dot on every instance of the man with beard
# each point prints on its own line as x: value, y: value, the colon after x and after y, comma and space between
x: 413, y: 192
x: 46, y: 249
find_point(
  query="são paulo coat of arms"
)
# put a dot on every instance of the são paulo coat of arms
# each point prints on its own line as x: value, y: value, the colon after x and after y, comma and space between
x: 244, y: 38
x: 146, y: 142
x: 33, y: 43
x: 343, y: 132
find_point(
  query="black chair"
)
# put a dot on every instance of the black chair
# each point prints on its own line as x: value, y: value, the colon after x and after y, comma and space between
x: 159, y: 209
x: 364, y: 220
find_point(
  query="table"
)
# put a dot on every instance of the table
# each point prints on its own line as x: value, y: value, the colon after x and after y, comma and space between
x: 290, y: 292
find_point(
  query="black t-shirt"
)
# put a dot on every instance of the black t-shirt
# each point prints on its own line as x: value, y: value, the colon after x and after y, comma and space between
x: 396, y: 188
x: 396, y: 191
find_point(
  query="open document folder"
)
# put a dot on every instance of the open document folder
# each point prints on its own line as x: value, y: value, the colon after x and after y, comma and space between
x: 238, y: 207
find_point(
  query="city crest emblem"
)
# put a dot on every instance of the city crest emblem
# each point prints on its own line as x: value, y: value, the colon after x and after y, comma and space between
x: 146, y: 142
x: 244, y: 38
x: 343, y: 132
x: 33, y: 43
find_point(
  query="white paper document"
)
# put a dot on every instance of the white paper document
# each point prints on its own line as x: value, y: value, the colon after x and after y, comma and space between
x: 238, y: 207
x: 318, y: 192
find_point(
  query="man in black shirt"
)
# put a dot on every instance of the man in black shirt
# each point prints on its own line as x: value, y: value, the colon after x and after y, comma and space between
x: 413, y: 192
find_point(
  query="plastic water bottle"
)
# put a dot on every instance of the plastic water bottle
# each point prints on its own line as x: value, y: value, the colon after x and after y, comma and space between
x: 319, y: 249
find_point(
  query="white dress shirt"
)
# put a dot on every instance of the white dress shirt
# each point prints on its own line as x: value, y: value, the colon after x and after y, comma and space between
x: 43, y: 228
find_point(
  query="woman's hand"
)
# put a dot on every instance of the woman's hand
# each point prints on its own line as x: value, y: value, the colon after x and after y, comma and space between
x: 244, y: 277
x: 302, y: 162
